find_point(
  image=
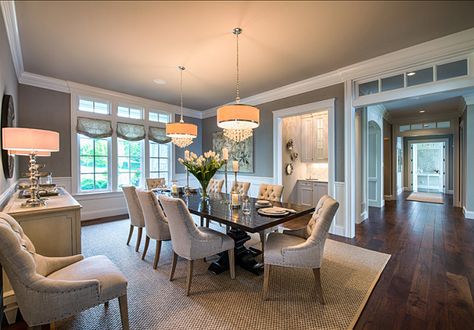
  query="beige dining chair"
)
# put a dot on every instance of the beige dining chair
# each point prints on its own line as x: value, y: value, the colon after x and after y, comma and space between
x: 242, y: 188
x: 156, y: 224
x: 152, y: 183
x: 302, y: 248
x: 191, y: 242
x: 215, y: 186
x: 51, y: 289
x: 135, y: 213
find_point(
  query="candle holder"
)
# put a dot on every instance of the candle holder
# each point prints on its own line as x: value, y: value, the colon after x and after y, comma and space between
x: 226, y: 199
x: 235, y: 196
x: 187, y: 191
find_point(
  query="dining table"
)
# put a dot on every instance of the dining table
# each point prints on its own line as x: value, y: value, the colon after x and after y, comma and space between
x: 217, y: 207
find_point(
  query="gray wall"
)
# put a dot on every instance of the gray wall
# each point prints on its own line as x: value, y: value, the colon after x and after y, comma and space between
x: 195, y: 147
x: 8, y: 85
x: 469, y: 153
x: 387, y: 158
x: 263, y: 135
x: 430, y: 137
x: 47, y: 109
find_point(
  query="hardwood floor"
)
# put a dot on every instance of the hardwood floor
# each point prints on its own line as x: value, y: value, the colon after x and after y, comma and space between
x: 429, y: 281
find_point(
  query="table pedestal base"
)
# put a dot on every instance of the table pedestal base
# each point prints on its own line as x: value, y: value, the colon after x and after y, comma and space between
x: 244, y: 257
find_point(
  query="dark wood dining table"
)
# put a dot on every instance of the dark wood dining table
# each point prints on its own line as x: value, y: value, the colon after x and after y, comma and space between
x: 217, y: 208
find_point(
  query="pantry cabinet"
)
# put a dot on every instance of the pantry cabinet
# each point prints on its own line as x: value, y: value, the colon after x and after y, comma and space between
x: 314, y: 137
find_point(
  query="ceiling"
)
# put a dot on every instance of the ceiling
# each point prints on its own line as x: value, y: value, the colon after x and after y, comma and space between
x: 433, y: 105
x: 124, y: 46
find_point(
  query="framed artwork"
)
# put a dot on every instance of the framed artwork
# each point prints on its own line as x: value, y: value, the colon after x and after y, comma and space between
x: 241, y: 151
x: 8, y: 115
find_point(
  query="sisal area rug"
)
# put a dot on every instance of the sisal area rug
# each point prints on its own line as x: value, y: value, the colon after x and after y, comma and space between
x: 349, y: 275
x: 426, y: 197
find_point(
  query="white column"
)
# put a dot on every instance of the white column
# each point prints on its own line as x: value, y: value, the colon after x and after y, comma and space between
x: 468, y: 157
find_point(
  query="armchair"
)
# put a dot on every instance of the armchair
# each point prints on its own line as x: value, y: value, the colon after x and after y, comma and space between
x: 301, y: 248
x: 51, y: 289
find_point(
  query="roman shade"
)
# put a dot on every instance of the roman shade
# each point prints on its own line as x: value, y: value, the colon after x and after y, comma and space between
x: 131, y: 132
x: 158, y: 135
x: 94, y: 128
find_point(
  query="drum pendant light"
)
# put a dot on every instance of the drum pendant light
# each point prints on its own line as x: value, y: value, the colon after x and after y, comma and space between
x: 238, y: 120
x: 181, y: 133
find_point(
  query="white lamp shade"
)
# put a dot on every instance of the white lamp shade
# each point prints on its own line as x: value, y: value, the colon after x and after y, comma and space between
x: 30, y: 140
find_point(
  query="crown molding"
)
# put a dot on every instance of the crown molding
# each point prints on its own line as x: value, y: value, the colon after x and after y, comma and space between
x: 36, y: 80
x: 11, y: 26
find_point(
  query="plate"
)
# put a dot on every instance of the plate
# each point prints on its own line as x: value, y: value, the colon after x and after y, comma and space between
x: 263, y: 202
x: 273, y: 212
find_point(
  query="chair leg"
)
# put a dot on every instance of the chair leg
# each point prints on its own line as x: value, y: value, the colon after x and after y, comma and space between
x: 124, y: 311
x: 106, y: 304
x: 319, y: 288
x: 202, y: 222
x: 262, y: 239
x: 157, y: 254
x: 266, y: 280
x: 189, y: 277
x: 139, y: 238
x: 207, y: 222
x: 231, y: 263
x: 52, y: 325
x: 173, y: 265
x: 130, y: 234
x: 147, y: 241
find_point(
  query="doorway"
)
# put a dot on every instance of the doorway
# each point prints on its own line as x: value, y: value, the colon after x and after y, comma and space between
x: 428, y: 166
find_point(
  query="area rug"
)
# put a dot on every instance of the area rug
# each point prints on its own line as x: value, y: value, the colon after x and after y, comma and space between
x: 349, y: 275
x: 426, y: 197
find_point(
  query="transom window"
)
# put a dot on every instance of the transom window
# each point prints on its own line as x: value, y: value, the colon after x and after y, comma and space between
x: 90, y: 105
x: 129, y: 162
x: 130, y: 112
x: 160, y: 117
x: 94, y: 163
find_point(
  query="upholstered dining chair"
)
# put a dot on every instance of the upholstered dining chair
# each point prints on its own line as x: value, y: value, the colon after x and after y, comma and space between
x: 242, y: 188
x: 51, y: 289
x: 191, y: 242
x: 301, y: 248
x: 152, y: 183
x: 270, y: 192
x: 135, y: 213
x: 156, y: 224
x: 215, y: 186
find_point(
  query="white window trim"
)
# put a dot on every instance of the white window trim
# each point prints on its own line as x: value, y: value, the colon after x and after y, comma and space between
x: 113, y: 101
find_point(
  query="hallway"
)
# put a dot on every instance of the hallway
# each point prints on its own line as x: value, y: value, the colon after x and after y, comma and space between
x: 429, y: 281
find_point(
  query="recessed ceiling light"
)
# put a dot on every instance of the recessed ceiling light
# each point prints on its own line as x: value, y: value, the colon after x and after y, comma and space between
x: 159, y: 81
x: 422, y: 111
x: 409, y: 74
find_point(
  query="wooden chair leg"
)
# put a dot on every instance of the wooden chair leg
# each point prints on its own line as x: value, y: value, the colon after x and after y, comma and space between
x: 139, y: 238
x: 319, y: 288
x: 266, y: 280
x: 262, y: 239
x: 189, y: 277
x: 124, y: 311
x: 130, y: 234
x: 202, y: 222
x: 207, y: 222
x: 231, y: 263
x: 157, y: 254
x: 106, y: 304
x: 173, y: 265
x: 147, y: 241
x: 52, y: 325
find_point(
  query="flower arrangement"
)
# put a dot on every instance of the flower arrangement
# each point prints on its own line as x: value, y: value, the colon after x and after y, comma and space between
x: 203, y: 167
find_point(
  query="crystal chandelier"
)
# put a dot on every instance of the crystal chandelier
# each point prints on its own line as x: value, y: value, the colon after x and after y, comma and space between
x: 238, y: 120
x: 181, y: 133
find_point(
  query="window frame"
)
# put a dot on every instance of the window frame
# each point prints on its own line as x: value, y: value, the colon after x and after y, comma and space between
x: 109, y: 166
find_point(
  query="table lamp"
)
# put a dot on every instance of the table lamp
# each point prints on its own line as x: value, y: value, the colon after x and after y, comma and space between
x: 30, y: 142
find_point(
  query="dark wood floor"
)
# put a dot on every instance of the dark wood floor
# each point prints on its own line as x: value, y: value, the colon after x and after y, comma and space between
x: 429, y: 281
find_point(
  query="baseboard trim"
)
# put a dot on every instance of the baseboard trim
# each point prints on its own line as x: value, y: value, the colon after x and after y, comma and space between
x: 104, y: 213
x: 97, y: 221
x: 468, y: 214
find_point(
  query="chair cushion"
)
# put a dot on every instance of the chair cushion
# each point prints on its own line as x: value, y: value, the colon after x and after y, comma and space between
x: 214, y: 243
x: 274, y: 244
x: 112, y: 282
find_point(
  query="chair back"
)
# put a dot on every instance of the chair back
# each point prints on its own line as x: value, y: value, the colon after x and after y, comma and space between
x: 133, y: 205
x: 270, y: 192
x: 242, y: 188
x: 156, y: 223
x: 152, y: 183
x: 182, y: 227
x: 318, y: 227
x: 215, y: 186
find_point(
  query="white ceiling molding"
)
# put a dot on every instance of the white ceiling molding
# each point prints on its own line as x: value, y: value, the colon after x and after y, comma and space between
x: 36, y: 80
x: 11, y: 25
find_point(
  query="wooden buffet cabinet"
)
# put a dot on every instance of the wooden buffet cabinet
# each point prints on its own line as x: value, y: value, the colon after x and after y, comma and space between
x: 54, y: 229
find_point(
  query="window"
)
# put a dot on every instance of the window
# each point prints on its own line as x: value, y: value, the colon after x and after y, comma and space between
x: 429, y: 125
x: 94, y: 161
x: 443, y: 124
x: 404, y: 128
x: 451, y: 70
x: 129, y: 162
x: 159, y: 117
x: 420, y: 76
x: 159, y: 160
x: 393, y: 82
x: 90, y: 105
x: 130, y: 112
x: 370, y: 87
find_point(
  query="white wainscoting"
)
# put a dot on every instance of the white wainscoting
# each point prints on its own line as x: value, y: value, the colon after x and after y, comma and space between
x: 468, y: 214
x: 101, y: 205
x: 6, y: 194
x: 339, y: 224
